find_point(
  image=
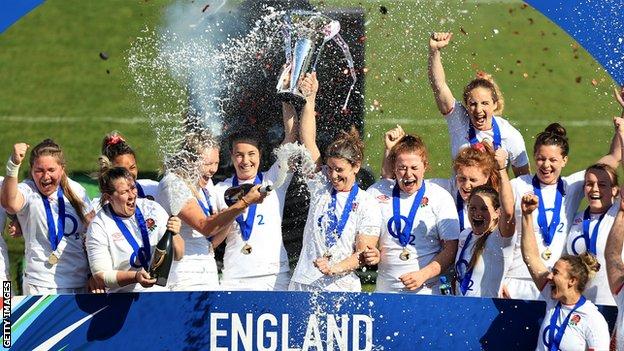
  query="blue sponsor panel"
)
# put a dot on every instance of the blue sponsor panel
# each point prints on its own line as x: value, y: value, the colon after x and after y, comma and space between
x: 274, y: 321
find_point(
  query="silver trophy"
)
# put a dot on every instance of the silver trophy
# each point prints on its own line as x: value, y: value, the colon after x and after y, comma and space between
x: 305, y: 35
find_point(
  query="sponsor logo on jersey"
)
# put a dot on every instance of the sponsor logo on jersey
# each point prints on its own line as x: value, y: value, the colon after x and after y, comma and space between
x: 383, y: 198
x: 117, y: 236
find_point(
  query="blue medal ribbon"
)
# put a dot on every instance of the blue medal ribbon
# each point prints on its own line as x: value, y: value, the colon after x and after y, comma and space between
x: 246, y: 225
x: 140, y: 191
x: 55, y: 232
x: 590, y: 241
x: 207, y: 208
x: 461, y: 267
x: 334, y: 227
x: 459, y: 204
x: 403, y: 235
x: 555, y: 333
x: 208, y: 211
x: 144, y: 253
x: 548, y: 230
x: 472, y: 134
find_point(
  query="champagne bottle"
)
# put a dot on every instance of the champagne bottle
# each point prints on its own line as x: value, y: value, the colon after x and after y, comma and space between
x: 162, y: 259
x: 235, y: 193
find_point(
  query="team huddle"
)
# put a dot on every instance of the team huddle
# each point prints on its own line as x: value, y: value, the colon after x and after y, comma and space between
x: 518, y: 238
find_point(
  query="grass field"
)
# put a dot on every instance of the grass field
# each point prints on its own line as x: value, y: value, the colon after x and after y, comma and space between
x: 54, y: 83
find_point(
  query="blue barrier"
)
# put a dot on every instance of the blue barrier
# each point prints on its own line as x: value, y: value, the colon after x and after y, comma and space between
x: 274, y: 321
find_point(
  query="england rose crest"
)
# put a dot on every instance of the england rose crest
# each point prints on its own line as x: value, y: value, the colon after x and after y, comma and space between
x: 151, y: 224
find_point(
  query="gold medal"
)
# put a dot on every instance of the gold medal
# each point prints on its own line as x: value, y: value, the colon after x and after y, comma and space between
x: 546, y: 254
x: 53, y: 259
x: 405, y: 255
x: 246, y: 250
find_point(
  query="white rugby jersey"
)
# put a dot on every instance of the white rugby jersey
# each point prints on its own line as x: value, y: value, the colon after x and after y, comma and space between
x: 364, y: 219
x: 488, y: 272
x: 597, y: 289
x: 107, y: 246
x: 72, y: 268
x: 435, y: 222
x: 586, y: 330
x: 268, y: 254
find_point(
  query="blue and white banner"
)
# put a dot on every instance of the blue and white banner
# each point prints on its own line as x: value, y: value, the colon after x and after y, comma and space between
x: 274, y: 321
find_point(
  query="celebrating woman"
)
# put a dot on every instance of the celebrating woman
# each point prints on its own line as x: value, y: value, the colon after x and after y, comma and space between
x: 343, y: 221
x: 419, y: 228
x: 559, y: 199
x: 54, y: 212
x: 484, y: 249
x: 119, y: 153
x: 122, y: 238
x: 187, y: 191
x: 572, y: 322
x: 474, y: 121
x: 255, y: 257
x: 591, y: 227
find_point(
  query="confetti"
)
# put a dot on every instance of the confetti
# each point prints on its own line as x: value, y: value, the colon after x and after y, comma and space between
x: 383, y: 10
x: 578, y: 79
x: 594, y: 82
x: 103, y: 55
x: 205, y: 8
x: 461, y: 29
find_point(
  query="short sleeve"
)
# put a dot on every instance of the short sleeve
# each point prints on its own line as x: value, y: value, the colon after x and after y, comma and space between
x: 173, y: 193
x: 457, y: 122
x: 447, y: 221
x: 517, y: 148
x: 97, y: 248
x: 597, y: 337
x: 369, y: 222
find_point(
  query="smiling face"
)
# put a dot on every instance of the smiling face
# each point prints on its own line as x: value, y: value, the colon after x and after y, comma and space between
x: 341, y: 173
x: 599, y: 190
x: 123, y: 199
x: 549, y: 161
x: 469, y: 177
x: 409, y: 170
x: 210, y: 165
x: 127, y: 161
x: 47, y: 173
x: 560, y: 280
x: 246, y: 159
x: 481, y: 107
x: 482, y: 214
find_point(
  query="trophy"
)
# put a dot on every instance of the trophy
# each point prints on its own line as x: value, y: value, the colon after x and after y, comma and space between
x: 309, y: 31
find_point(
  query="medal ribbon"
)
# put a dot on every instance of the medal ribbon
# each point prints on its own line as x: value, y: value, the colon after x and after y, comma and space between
x: 208, y: 211
x: 404, y: 235
x: 459, y: 204
x: 590, y: 241
x: 472, y: 134
x: 143, y: 253
x: 548, y: 230
x: 465, y: 281
x: 334, y: 227
x: 246, y: 225
x: 554, y: 338
x: 55, y: 232
x: 140, y: 191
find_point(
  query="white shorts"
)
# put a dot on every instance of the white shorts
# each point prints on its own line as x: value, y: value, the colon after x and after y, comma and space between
x: 522, y: 289
x: 194, y: 275
x: 328, y: 284
x: 271, y: 282
x: 388, y: 284
x: 29, y: 289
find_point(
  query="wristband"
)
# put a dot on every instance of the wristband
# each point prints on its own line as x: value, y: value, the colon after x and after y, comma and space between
x: 110, y: 279
x: 12, y: 170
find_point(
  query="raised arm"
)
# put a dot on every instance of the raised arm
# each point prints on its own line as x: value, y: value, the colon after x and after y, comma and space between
x: 289, y: 115
x: 307, y: 124
x: 10, y: 198
x: 390, y: 139
x: 530, y: 252
x: 507, y: 222
x: 613, y: 252
x: 437, y: 77
x: 615, y: 152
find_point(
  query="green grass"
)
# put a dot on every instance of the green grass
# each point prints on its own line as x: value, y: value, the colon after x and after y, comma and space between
x: 54, y: 83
